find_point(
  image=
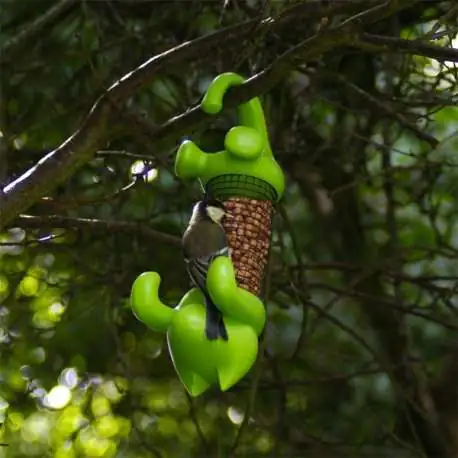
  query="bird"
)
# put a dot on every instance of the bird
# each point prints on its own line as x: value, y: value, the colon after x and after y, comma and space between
x: 203, y: 240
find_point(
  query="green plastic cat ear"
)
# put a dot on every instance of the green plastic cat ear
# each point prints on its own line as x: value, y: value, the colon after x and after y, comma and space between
x: 250, y: 113
x: 247, y: 147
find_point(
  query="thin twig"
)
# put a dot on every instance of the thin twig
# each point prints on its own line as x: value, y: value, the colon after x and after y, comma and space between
x: 302, y: 279
x: 258, y: 366
x: 193, y: 415
x: 388, y: 111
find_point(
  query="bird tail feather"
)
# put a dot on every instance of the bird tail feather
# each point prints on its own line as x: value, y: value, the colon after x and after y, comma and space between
x: 214, y: 324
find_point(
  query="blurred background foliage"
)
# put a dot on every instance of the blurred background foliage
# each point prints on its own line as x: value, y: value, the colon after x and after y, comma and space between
x: 359, y: 355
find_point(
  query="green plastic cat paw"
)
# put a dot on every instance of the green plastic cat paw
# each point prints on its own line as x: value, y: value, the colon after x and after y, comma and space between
x: 198, y: 361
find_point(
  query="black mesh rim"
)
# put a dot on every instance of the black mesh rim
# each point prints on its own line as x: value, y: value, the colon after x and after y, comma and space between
x: 236, y: 185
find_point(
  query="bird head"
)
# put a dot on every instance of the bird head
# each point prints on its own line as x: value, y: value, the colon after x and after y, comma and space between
x: 211, y: 209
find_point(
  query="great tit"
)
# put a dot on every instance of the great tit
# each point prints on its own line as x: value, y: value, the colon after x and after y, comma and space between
x: 203, y: 240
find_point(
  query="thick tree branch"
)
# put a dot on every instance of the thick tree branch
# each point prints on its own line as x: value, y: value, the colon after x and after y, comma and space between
x: 58, y: 221
x: 60, y: 164
x: 33, y: 29
x: 380, y: 43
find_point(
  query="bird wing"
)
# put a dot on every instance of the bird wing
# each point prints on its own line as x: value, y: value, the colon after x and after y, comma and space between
x: 198, y: 268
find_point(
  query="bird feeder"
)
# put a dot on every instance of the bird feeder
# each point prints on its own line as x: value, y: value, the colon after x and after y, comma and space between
x: 246, y: 177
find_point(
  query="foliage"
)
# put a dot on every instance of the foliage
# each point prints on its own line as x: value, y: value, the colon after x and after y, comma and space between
x: 360, y: 354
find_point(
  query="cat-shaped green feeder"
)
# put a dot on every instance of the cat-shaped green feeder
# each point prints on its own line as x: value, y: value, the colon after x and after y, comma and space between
x: 246, y: 177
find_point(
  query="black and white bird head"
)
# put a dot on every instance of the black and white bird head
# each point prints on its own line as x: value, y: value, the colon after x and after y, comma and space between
x: 209, y: 209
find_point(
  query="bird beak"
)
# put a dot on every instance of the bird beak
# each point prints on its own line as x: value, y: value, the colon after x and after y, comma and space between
x: 228, y: 215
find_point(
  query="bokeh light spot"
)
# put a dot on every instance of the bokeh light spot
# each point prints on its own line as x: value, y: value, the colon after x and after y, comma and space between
x: 100, y: 406
x: 235, y: 415
x: 29, y: 286
x: 69, y: 377
x: 3, y: 284
x: 107, y: 426
x: 139, y: 168
x: 58, y: 397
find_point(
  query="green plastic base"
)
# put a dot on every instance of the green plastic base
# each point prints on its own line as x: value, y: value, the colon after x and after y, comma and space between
x: 198, y: 361
x: 234, y: 185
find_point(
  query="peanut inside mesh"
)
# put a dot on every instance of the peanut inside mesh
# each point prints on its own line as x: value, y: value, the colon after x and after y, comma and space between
x: 249, y: 234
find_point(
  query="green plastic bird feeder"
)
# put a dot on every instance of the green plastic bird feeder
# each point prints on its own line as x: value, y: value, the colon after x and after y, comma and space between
x: 246, y: 177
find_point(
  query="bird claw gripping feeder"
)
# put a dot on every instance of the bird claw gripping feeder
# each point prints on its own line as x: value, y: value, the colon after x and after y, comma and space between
x: 246, y: 177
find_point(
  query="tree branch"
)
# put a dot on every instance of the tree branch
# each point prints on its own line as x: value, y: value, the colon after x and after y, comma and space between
x: 380, y: 43
x: 33, y: 29
x: 60, y: 164
x: 58, y: 221
x: 344, y: 233
x: 388, y: 111
x: 445, y: 393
